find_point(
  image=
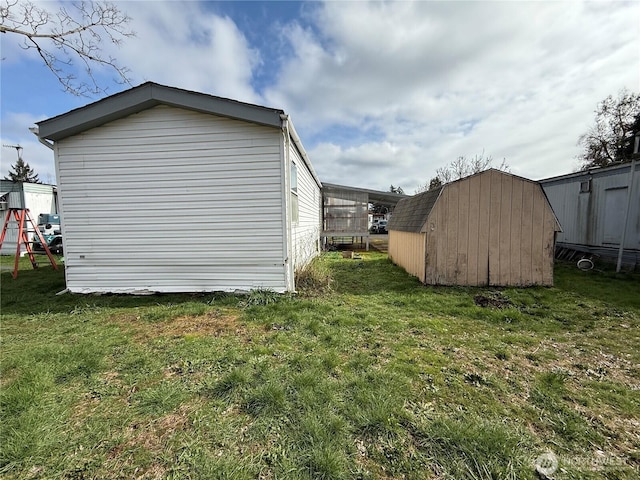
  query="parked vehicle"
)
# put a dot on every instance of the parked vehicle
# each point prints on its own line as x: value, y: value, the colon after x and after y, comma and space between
x: 51, y: 230
x: 380, y: 227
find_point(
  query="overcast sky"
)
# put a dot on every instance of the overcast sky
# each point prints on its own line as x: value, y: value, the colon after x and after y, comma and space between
x: 381, y: 93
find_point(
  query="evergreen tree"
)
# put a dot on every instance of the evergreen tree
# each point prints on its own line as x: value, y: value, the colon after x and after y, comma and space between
x: 434, y: 183
x: 22, y: 172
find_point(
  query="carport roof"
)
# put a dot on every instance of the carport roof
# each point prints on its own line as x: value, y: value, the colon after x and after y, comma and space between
x: 375, y: 196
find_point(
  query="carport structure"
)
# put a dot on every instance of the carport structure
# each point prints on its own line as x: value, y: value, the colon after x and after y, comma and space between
x: 345, y: 212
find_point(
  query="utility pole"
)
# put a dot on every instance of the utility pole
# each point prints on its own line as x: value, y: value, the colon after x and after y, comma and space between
x: 634, y: 159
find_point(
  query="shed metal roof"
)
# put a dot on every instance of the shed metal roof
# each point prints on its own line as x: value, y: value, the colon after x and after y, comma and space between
x: 411, y: 213
x: 149, y: 95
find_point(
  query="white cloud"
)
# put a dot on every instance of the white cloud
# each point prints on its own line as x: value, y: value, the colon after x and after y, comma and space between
x: 182, y: 45
x: 443, y: 79
x: 15, y: 132
x: 354, y: 165
x: 387, y: 92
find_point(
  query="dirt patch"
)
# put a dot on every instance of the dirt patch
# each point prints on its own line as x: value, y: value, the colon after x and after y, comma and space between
x: 495, y: 300
x: 151, y: 437
x: 214, y: 323
x: 379, y: 243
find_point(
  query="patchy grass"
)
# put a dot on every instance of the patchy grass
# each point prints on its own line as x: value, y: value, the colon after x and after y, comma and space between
x: 374, y: 376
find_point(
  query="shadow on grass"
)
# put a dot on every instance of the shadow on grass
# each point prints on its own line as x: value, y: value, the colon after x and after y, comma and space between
x: 36, y: 291
x: 370, y: 276
x: 617, y: 289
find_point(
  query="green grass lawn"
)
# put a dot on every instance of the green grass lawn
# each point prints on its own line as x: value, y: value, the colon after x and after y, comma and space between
x: 373, y: 376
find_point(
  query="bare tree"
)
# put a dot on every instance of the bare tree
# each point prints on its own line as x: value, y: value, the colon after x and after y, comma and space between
x: 461, y: 167
x: 610, y: 139
x: 73, y: 33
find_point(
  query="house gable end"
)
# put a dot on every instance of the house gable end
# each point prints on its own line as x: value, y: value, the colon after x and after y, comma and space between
x: 149, y: 95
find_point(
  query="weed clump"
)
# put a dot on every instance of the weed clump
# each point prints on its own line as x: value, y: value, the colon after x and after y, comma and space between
x: 314, y: 279
x: 260, y: 296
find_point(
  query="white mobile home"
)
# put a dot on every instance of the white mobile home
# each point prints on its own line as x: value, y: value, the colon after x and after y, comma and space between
x: 592, y: 208
x: 168, y: 190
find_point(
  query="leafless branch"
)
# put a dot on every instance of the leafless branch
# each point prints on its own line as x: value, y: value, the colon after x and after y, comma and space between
x: 70, y: 35
x: 462, y: 167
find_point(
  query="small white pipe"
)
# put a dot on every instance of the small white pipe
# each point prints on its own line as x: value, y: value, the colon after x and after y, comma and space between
x: 34, y: 130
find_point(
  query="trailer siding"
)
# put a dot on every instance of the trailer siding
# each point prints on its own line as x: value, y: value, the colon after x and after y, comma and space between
x: 170, y: 200
x: 588, y: 218
x: 306, y: 230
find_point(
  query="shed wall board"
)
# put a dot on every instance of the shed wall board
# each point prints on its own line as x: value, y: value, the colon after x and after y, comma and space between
x: 407, y: 249
x: 526, y: 238
x: 495, y: 187
x: 462, y: 237
x: 489, y: 229
x: 484, y: 213
x: 474, y: 233
x: 441, y: 227
x: 172, y: 200
x: 502, y: 220
x: 434, y: 251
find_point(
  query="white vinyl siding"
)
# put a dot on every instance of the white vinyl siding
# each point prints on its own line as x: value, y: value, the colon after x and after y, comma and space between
x: 585, y: 217
x: 306, y: 231
x: 171, y: 200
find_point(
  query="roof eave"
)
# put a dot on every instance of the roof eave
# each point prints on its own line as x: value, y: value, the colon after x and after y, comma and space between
x: 303, y: 152
x: 146, y: 96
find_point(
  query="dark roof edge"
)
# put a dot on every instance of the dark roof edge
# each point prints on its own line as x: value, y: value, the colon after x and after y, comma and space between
x: 595, y: 171
x: 149, y: 95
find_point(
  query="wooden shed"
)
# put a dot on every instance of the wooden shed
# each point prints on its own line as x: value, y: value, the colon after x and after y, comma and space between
x: 169, y: 190
x: 492, y: 228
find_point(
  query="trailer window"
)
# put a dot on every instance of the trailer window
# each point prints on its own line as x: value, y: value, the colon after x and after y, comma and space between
x: 585, y: 186
x: 294, y: 193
